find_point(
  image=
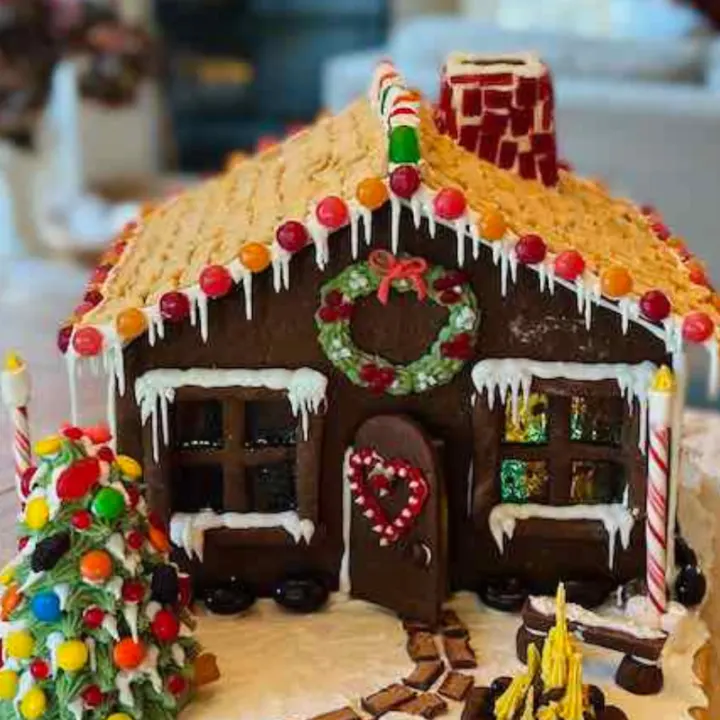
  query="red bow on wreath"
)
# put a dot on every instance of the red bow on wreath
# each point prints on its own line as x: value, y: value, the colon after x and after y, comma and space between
x: 389, y: 268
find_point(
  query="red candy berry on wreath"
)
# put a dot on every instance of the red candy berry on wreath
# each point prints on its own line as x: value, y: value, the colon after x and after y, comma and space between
x: 368, y: 372
x: 78, y: 479
x: 133, y: 495
x: 215, y: 281
x: 449, y: 204
x: 654, y: 305
x: 92, y: 696
x: 405, y: 181
x: 134, y: 540
x: 332, y: 212
x: 334, y: 298
x: 133, y: 591
x: 81, y: 520
x: 174, y: 306
x: 530, y: 249
x: 63, y: 338
x: 93, y: 617
x: 87, y: 341
x: 39, y: 669
x: 569, y: 265
x: 697, y: 327
x: 449, y: 296
x: 345, y: 311
x: 176, y: 684
x: 384, y: 378
x: 165, y: 626
x: 292, y: 236
x: 328, y: 314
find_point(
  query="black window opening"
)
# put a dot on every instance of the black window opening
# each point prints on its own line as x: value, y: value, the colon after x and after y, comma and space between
x: 269, y: 424
x: 198, y: 425
x: 197, y: 487
x: 273, y: 487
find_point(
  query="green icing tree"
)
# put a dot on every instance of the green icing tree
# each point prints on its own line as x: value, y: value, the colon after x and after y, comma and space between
x: 95, y: 619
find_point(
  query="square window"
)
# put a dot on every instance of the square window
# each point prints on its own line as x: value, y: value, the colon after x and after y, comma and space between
x: 198, y: 425
x: 272, y: 487
x: 530, y: 425
x: 269, y: 423
x: 597, y: 482
x: 196, y: 487
x: 597, y: 420
x: 524, y: 481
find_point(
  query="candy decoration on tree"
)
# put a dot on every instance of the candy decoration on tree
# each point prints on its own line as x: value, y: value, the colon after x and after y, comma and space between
x: 697, y: 327
x: 34, y: 704
x: 569, y: 265
x: 81, y: 520
x: 449, y: 204
x: 654, y: 305
x: 530, y: 249
x: 49, y: 445
x: 133, y: 591
x: 96, y: 566
x: 72, y: 655
x: 134, y: 540
x: 174, y: 306
x: 255, y: 257
x: 15, y: 393
x: 292, y: 236
x: 37, y: 513
x: 93, y: 617
x: 87, y: 341
x: 405, y: 181
x: 130, y: 323
x: 215, y: 281
x: 19, y: 645
x: 128, y: 654
x: 165, y: 586
x: 92, y: 696
x: 616, y: 282
x: 11, y: 599
x: 176, y: 684
x: 108, y: 504
x: 8, y: 684
x: 129, y: 467
x: 165, y: 626
x: 119, y: 716
x: 159, y: 539
x: 46, y: 606
x: 332, y: 212
x: 78, y: 479
x: 48, y: 552
x: 39, y: 669
x: 371, y: 193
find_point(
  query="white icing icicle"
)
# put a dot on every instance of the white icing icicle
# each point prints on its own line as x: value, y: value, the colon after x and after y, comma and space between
x: 460, y: 239
x: 714, y: 367
x: 354, y: 233
x: 114, y: 586
x: 366, y: 216
x: 247, y: 292
x: 202, y: 301
x: 395, y: 210
x: 616, y: 519
x: 152, y: 609
x: 71, y: 360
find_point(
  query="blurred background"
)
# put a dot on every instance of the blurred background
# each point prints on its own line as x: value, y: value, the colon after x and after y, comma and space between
x: 106, y: 104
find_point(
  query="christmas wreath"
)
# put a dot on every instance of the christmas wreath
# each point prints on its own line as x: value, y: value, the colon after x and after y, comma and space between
x: 381, y: 273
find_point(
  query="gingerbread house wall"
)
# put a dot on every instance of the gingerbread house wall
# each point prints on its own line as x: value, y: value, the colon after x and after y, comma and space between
x: 526, y: 323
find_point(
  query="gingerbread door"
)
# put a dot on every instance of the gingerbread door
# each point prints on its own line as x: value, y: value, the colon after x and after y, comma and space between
x: 397, y: 548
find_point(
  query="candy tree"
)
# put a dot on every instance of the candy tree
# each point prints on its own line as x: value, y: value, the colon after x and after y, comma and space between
x: 95, y: 620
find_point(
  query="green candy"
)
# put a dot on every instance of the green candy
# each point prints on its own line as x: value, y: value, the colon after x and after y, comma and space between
x: 108, y: 504
x: 404, y: 145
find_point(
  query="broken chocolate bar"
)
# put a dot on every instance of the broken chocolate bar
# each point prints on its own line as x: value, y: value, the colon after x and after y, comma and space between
x: 421, y: 646
x: 459, y: 653
x: 425, y: 674
x: 346, y: 713
x: 456, y: 686
x: 451, y: 624
x: 427, y: 705
x: 387, y: 699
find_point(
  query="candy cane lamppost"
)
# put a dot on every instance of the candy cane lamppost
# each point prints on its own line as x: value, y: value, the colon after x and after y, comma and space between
x: 15, y: 386
x: 660, y: 407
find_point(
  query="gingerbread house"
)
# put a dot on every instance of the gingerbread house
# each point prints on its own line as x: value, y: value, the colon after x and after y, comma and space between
x: 405, y: 351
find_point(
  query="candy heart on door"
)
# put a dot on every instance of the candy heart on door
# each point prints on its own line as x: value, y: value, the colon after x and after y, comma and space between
x: 371, y: 476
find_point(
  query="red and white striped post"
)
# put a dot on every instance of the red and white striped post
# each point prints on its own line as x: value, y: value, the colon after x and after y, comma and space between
x: 660, y: 405
x: 15, y: 387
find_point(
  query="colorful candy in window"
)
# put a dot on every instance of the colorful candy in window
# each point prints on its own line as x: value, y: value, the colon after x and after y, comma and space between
x: 529, y: 423
x: 596, y: 420
x: 524, y: 481
x: 597, y: 482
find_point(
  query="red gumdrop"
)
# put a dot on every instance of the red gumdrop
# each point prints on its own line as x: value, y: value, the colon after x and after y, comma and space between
x: 105, y: 454
x: 174, y: 306
x: 39, y: 669
x: 63, y: 338
x: 569, y: 265
x: 78, y: 479
x: 133, y: 495
x: 93, y: 617
x: 81, y: 520
x: 92, y: 696
x: 22, y: 542
x: 176, y: 684
x: 133, y: 591
x: 697, y: 327
x: 385, y: 376
x: 530, y: 249
x: 165, y: 626
x: 449, y: 204
x: 215, y: 281
x: 99, y: 274
x: 98, y: 434
x: 654, y: 305
x: 87, y: 341
x: 332, y: 212
x: 134, y: 540
x: 292, y: 236
x: 72, y: 433
x: 83, y: 308
x: 405, y: 181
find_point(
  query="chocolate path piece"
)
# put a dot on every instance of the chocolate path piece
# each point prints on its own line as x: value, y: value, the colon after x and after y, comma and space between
x: 427, y: 705
x: 413, y: 626
x: 346, y: 713
x: 459, y: 653
x: 456, y: 685
x: 390, y: 698
x: 452, y: 625
x: 612, y: 713
x: 476, y: 705
x: 425, y: 674
x: 421, y: 646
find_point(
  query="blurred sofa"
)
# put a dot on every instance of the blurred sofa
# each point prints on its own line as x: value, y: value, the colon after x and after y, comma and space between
x: 643, y: 114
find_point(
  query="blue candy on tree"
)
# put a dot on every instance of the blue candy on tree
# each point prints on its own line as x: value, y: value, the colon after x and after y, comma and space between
x: 46, y: 606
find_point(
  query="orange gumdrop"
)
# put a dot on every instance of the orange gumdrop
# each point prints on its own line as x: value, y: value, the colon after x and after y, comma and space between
x: 159, y: 539
x: 616, y: 282
x: 255, y: 257
x: 371, y: 193
x: 10, y: 600
x: 130, y: 323
x: 96, y: 566
x: 493, y: 225
x: 128, y: 654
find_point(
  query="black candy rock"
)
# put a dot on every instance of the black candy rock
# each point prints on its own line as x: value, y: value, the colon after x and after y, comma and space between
x: 690, y: 586
x: 684, y: 554
x: 596, y: 698
x: 47, y: 552
x: 164, y: 586
x: 506, y: 594
x: 301, y: 594
x: 231, y: 599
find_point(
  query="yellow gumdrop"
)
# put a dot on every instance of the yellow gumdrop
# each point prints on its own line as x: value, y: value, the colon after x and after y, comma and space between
x: 19, y: 644
x: 129, y: 467
x: 72, y: 655
x: 49, y: 445
x: 7, y: 575
x: 37, y: 513
x: 33, y: 704
x: 119, y: 716
x: 8, y: 684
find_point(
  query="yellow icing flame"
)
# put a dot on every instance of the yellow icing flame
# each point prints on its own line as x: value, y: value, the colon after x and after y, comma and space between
x: 571, y: 706
x: 548, y: 712
x: 528, y: 713
x: 508, y: 703
x: 13, y: 362
x: 663, y: 380
x: 558, y: 647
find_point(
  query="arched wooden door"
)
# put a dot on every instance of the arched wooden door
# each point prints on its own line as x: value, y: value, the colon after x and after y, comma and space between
x: 398, y: 523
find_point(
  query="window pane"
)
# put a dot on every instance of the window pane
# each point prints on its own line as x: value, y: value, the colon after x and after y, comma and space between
x: 597, y: 481
x: 524, y: 481
x: 269, y: 423
x: 198, y: 425
x: 597, y: 419
x: 196, y: 487
x: 272, y: 487
x: 530, y: 424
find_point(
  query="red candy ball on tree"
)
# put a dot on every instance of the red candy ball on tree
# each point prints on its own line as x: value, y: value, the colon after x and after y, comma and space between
x: 332, y: 212
x: 134, y: 540
x: 176, y: 684
x: 654, y: 305
x: 697, y: 327
x: 530, y: 249
x: 92, y: 696
x: 39, y: 669
x: 87, y: 341
x: 449, y: 204
x: 133, y: 591
x: 569, y: 265
x: 81, y: 520
x: 93, y: 617
x: 215, y: 281
x: 72, y: 433
x: 105, y: 454
x: 174, y: 306
x: 78, y: 479
x: 292, y: 236
x: 165, y: 626
x: 405, y: 181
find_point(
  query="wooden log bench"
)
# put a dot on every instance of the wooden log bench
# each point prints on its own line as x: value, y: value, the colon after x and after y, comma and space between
x: 640, y: 670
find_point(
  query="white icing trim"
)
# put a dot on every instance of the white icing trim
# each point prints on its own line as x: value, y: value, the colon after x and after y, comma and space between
x: 187, y: 530
x: 345, y: 585
x: 515, y: 375
x: 460, y: 64
x: 616, y: 519
x: 155, y: 389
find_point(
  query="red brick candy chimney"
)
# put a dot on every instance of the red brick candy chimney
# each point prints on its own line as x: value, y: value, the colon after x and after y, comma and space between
x: 501, y: 107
